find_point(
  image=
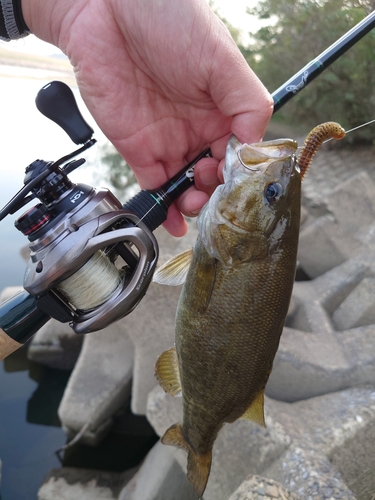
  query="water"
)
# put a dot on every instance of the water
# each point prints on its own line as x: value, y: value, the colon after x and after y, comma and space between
x: 30, y: 429
x: 29, y: 394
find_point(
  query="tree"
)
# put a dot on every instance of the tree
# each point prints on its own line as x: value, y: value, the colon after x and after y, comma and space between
x: 118, y: 173
x: 296, y: 32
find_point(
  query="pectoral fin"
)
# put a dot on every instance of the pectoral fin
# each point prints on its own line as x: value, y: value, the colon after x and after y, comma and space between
x: 167, y: 372
x: 255, y: 412
x: 174, y: 271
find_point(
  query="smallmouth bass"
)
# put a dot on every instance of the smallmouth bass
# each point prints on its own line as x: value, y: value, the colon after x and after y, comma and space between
x: 238, y: 282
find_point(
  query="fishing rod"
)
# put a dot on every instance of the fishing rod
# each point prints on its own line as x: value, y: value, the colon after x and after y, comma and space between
x: 315, y: 67
x: 77, y: 233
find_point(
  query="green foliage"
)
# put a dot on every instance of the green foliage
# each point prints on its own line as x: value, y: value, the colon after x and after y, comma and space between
x: 118, y: 173
x: 296, y: 32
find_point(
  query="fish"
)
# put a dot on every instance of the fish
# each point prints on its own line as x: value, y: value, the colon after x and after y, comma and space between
x: 237, y: 285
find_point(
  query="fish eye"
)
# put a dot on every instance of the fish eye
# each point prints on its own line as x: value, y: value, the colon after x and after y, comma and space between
x: 273, y: 192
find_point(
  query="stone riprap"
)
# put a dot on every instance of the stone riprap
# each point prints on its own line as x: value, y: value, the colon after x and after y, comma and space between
x: 320, y: 448
x: 320, y: 409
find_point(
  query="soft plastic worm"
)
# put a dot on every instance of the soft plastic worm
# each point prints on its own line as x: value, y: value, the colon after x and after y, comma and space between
x: 319, y: 134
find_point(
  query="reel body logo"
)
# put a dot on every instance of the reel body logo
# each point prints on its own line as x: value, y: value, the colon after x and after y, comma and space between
x: 76, y: 196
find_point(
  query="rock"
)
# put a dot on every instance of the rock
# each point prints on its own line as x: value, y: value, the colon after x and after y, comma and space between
x: 8, y: 292
x: 159, y: 478
x: 55, y: 345
x: 316, y: 447
x: 240, y: 449
x: 151, y: 329
x: 99, y: 385
x: 260, y: 488
x: 314, y: 357
x: 358, y: 309
x: 70, y: 483
x: 334, y: 435
x: 340, y: 234
x: 151, y: 325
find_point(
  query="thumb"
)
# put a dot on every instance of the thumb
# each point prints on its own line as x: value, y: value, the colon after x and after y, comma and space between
x: 240, y: 94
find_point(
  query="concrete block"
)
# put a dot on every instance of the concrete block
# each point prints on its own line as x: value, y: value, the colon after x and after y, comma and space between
x: 350, y: 198
x: 69, y: 483
x: 317, y: 448
x: 99, y: 385
x: 310, y: 475
x: 159, y: 478
x: 358, y: 308
x: 8, y: 292
x: 55, y: 345
x: 151, y: 328
x: 151, y: 325
x: 340, y: 233
x: 314, y: 358
x: 338, y: 426
x: 260, y: 488
x: 318, y: 252
x: 240, y: 449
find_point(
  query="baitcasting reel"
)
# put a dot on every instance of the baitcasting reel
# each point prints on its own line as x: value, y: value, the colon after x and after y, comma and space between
x: 92, y: 258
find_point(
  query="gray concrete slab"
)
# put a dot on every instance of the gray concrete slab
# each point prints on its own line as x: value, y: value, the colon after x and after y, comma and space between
x: 316, y: 447
x: 99, y: 385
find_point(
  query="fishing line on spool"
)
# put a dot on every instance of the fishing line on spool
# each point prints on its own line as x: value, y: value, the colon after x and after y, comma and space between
x: 93, y: 283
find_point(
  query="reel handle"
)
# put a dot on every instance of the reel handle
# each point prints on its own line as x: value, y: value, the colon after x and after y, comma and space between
x: 56, y: 101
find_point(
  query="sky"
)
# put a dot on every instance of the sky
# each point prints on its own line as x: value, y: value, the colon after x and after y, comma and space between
x: 233, y: 10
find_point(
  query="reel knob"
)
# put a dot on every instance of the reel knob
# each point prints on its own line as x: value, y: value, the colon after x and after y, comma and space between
x: 56, y: 101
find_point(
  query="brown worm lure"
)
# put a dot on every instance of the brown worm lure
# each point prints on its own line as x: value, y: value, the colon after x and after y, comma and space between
x: 319, y: 134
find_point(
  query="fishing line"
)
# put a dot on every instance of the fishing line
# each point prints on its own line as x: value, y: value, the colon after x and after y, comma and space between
x: 348, y: 131
x: 299, y: 147
x: 93, y: 283
x: 352, y: 129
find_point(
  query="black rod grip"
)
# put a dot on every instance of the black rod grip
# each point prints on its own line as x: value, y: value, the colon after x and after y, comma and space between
x: 152, y: 206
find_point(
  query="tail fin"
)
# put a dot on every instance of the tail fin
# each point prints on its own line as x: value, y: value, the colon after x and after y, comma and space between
x: 198, y: 466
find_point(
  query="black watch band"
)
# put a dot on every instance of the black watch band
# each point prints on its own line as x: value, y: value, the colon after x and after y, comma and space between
x: 12, y: 23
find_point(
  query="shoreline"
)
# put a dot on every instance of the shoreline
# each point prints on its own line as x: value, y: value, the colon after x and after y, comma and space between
x: 21, y: 65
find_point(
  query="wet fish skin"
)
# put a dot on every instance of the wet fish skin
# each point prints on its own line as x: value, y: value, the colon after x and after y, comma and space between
x: 235, y: 298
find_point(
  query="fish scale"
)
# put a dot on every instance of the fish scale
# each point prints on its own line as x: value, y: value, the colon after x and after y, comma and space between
x: 238, y: 283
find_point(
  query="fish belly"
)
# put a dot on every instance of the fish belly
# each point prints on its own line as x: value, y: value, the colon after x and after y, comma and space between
x: 226, y: 343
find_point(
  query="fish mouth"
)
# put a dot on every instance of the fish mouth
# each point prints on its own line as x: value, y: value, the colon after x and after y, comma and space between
x: 255, y: 156
x: 243, y: 164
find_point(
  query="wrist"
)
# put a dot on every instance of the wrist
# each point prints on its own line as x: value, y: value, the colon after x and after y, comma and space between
x: 45, y: 19
x: 12, y: 24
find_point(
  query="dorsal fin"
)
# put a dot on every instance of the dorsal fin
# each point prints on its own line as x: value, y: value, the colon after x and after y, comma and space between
x: 255, y: 412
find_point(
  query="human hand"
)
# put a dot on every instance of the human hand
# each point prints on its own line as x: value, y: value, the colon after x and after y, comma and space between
x: 163, y: 79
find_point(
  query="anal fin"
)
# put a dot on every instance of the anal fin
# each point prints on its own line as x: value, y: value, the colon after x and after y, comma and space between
x: 198, y: 465
x: 167, y: 372
x: 255, y: 412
